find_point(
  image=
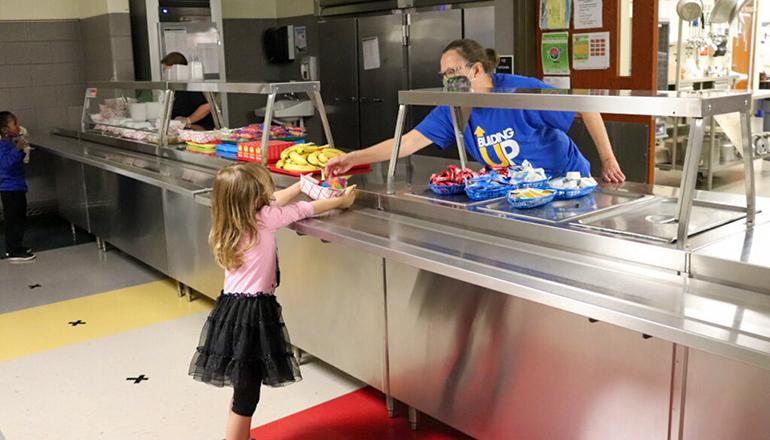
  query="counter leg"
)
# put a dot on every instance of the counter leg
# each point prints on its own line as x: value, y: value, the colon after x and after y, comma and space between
x: 748, y: 169
x: 413, y: 418
x: 689, y: 179
x: 713, y: 150
x: 266, y: 126
x: 390, y: 404
x: 179, y: 289
x: 315, y: 98
x: 458, y: 123
x: 74, y: 232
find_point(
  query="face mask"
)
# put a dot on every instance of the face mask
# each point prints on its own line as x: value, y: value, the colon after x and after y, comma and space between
x: 457, y: 83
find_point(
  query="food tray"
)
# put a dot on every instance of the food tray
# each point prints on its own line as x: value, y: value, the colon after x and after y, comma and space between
x: 360, y: 169
x: 572, y: 193
x: 446, y: 190
x: 531, y: 202
x: 310, y: 186
x: 226, y: 155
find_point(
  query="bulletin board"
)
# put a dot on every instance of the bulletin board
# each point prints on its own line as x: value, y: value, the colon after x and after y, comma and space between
x: 644, y: 59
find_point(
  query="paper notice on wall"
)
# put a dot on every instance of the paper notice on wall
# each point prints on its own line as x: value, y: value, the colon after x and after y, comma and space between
x: 560, y: 82
x: 591, y: 51
x: 371, y: 50
x: 554, y: 53
x: 175, y: 40
x: 588, y: 14
x: 555, y: 14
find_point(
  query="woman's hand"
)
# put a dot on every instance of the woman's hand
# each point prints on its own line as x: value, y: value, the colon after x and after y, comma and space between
x: 339, y: 165
x: 22, y: 144
x: 611, y: 172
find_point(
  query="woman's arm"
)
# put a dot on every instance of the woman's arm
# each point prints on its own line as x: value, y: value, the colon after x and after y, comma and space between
x: 610, y: 169
x: 286, y: 195
x: 201, y: 112
x: 411, y: 143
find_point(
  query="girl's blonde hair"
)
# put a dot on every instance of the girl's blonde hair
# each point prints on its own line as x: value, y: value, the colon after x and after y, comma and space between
x: 240, y: 191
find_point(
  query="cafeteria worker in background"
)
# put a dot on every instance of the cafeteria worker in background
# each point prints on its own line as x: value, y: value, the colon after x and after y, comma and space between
x: 189, y: 107
x: 497, y: 136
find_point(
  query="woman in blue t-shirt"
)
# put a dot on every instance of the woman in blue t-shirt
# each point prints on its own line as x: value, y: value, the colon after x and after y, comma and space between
x: 497, y: 136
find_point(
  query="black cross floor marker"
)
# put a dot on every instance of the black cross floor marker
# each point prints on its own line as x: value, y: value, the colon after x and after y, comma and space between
x: 77, y: 323
x: 34, y: 286
x: 138, y: 379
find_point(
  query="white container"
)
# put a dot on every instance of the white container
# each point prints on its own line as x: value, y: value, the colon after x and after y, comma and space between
x: 137, y: 111
x: 153, y: 110
x: 196, y: 71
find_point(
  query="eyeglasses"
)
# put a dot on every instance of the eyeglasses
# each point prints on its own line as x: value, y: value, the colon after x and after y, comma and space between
x: 453, y: 71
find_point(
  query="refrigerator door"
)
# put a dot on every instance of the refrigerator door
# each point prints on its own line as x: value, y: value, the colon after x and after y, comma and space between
x: 338, y: 68
x: 382, y: 73
x: 429, y: 33
x: 479, y: 24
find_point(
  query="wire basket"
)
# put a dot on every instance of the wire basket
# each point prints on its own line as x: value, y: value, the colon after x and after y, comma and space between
x: 312, y: 187
x: 487, y: 193
x: 542, y: 183
x: 531, y: 202
x: 446, y: 190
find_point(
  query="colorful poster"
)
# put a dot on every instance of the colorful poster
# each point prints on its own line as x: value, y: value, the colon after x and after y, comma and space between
x: 588, y: 14
x: 560, y: 82
x: 591, y: 51
x: 555, y: 14
x: 554, y: 53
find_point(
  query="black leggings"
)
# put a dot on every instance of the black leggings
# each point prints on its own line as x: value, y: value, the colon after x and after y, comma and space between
x: 15, y: 213
x: 245, y: 400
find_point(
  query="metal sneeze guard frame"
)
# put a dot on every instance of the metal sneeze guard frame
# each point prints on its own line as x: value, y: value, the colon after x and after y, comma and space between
x: 695, y: 105
x: 208, y: 88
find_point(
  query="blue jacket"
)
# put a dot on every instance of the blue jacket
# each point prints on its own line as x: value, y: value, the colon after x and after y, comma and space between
x: 12, y: 177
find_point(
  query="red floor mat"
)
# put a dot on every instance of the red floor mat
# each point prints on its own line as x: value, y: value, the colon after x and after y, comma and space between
x: 355, y: 416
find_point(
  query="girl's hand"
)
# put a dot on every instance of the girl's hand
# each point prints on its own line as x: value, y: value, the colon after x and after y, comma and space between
x: 611, y: 172
x: 339, y: 165
x: 22, y: 144
x: 348, y: 198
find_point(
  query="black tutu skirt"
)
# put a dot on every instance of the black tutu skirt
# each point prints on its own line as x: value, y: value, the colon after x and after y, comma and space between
x: 244, y: 343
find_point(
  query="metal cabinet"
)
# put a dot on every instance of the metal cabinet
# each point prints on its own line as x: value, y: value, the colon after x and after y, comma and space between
x: 499, y: 367
x: 71, y: 192
x: 128, y: 214
x: 187, y: 225
x: 333, y: 303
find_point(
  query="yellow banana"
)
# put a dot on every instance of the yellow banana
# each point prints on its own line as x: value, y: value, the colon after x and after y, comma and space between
x: 280, y: 164
x: 313, y: 159
x: 297, y: 158
x: 322, y: 158
x: 300, y: 168
x: 333, y: 152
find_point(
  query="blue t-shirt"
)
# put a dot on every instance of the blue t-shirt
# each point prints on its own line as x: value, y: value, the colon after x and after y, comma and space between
x: 12, y: 176
x: 502, y: 136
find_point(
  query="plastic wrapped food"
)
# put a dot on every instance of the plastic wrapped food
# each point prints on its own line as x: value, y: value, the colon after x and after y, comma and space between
x: 572, y: 186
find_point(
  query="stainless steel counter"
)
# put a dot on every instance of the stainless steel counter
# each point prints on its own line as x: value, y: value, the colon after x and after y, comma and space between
x: 429, y: 299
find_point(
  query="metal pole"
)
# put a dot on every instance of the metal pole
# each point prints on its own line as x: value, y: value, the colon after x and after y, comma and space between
x: 675, y: 141
x: 315, y: 98
x: 689, y: 178
x: 712, y: 151
x: 168, y: 102
x: 456, y: 114
x: 391, y: 184
x: 216, y: 111
x: 266, y: 126
x: 748, y: 168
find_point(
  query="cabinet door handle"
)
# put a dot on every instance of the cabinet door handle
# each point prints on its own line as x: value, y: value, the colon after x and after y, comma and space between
x: 378, y: 100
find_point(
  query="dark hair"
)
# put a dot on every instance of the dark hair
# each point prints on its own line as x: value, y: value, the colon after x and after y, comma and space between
x: 6, y: 118
x: 473, y: 52
x: 173, y: 59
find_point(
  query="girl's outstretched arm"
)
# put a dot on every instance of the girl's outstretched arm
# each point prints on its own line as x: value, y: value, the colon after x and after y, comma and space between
x: 286, y: 195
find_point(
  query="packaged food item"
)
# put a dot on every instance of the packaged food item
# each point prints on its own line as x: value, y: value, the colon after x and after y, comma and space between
x: 526, y: 175
x: 317, y: 190
x: 488, y: 186
x: 450, y: 181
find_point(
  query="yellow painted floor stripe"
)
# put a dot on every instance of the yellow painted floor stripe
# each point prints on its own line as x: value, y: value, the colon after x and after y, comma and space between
x: 46, y: 327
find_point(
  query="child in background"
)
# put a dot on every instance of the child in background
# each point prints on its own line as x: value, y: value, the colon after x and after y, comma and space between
x: 244, y: 342
x: 13, y: 187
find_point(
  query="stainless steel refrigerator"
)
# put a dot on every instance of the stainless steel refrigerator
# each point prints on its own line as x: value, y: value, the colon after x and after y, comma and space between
x: 365, y: 61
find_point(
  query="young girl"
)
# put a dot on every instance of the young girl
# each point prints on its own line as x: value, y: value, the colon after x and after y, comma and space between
x: 244, y: 342
x: 13, y: 187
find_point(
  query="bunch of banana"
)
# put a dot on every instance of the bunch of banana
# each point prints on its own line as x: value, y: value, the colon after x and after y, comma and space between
x: 306, y: 158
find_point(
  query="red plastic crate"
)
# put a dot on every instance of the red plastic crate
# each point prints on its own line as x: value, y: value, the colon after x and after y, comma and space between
x: 251, y: 151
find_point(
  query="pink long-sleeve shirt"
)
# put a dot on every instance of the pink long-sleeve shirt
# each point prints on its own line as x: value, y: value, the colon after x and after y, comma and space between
x: 257, y: 273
